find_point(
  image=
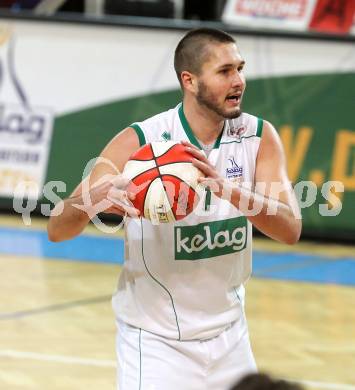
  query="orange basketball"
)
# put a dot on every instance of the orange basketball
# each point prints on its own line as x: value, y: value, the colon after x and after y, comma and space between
x: 164, y: 180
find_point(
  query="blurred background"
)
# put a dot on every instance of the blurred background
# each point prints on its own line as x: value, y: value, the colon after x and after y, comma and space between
x: 72, y: 75
x: 83, y: 70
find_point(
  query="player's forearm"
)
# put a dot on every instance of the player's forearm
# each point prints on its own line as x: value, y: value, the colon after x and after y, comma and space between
x: 272, y: 217
x: 67, y: 220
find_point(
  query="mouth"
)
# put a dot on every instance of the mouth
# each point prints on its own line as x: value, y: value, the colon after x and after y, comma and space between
x: 235, y: 98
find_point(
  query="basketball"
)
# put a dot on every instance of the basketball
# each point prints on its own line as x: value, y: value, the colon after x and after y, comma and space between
x: 164, y: 181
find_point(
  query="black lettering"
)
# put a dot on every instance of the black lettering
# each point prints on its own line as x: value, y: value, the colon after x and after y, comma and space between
x: 31, y: 127
x: 16, y: 156
x: 13, y: 124
x: 35, y: 127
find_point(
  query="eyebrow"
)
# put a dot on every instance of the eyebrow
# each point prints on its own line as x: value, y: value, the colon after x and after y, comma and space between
x: 242, y: 63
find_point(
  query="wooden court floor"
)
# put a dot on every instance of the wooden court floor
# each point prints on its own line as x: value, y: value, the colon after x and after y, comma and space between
x: 57, y: 328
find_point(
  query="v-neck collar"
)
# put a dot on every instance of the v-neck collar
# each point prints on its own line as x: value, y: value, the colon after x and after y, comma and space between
x: 189, y: 132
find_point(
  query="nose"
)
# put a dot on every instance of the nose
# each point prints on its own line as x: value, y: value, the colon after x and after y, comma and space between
x: 238, y: 79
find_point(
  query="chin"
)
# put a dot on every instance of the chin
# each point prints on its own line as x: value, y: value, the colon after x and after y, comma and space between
x: 233, y: 114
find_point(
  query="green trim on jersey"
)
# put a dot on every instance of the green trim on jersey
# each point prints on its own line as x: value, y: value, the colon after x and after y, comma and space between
x: 140, y: 134
x: 187, y: 128
x: 259, y: 129
x: 237, y: 295
x: 218, y: 140
x: 238, y: 141
x: 157, y: 281
x: 140, y: 358
x: 207, y: 199
x: 189, y: 132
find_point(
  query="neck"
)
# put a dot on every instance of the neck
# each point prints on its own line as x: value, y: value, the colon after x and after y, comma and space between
x: 205, y: 124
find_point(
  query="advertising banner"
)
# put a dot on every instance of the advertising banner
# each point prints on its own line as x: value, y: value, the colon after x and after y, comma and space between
x: 25, y: 130
x: 25, y: 136
x: 333, y: 16
x: 275, y: 14
x: 352, y: 29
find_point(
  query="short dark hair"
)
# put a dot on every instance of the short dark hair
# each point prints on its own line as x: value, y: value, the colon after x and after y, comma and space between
x: 191, y: 52
x: 264, y: 382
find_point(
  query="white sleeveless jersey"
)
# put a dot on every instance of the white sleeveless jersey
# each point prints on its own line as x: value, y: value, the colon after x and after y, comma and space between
x: 184, y: 280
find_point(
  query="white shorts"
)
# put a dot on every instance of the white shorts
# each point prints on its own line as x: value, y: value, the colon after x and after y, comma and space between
x: 150, y: 362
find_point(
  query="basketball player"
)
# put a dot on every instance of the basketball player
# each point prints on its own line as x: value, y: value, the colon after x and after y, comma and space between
x: 180, y: 299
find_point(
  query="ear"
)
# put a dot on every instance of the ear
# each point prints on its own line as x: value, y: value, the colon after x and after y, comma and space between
x: 189, y: 81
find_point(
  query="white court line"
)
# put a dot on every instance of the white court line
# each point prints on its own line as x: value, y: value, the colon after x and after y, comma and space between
x: 57, y: 358
x: 111, y: 363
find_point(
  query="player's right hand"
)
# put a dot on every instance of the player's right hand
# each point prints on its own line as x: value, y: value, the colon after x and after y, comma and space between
x: 121, y: 199
x: 109, y: 195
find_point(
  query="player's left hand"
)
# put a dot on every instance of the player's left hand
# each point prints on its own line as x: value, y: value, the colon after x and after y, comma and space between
x: 212, y: 179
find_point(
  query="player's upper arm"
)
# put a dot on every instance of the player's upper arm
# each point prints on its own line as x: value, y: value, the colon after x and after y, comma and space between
x: 112, y: 159
x: 271, y: 164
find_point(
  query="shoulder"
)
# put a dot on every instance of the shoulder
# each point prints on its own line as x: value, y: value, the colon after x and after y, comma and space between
x: 151, y: 128
x: 157, y: 119
x: 125, y: 138
x: 270, y: 136
x: 120, y: 148
x: 270, y: 146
